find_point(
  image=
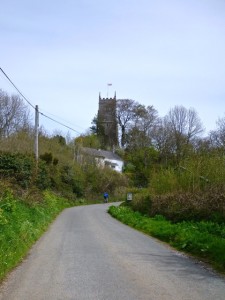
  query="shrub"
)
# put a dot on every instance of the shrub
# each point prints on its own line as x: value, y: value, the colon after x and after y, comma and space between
x: 47, y: 157
x: 42, y: 177
x: 17, y: 167
x: 142, y: 202
x: 207, y: 205
x: 7, y: 201
x: 3, y: 219
x: 202, y: 205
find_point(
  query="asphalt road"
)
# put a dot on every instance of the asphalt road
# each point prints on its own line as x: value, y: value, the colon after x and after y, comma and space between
x: 86, y: 254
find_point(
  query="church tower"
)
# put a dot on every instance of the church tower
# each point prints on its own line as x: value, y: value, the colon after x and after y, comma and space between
x: 107, y: 122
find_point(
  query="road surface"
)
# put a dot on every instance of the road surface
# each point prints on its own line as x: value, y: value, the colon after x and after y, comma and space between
x: 86, y: 254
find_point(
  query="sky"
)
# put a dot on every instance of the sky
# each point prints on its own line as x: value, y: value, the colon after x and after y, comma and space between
x: 62, y: 54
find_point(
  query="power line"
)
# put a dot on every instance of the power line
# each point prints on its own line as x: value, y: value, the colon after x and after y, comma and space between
x: 34, y: 106
x: 17, y: 88
x: 59, y: 118
x: 58, y: 122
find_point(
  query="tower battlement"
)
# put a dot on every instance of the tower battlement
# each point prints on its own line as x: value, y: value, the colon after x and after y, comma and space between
x: 107, y: 120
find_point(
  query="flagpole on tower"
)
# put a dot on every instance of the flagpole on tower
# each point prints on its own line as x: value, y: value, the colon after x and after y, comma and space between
x: 109, y: 84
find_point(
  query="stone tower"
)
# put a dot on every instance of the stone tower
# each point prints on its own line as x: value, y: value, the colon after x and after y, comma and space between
x: 107, y: 123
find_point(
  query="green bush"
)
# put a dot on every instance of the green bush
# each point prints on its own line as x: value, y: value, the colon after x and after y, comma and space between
x: 42, y: 176
x: 142, y: 202
x: 22, y: 223
x: 164, y: 181
x: 202, y: 239
x: 18, y: 167
x: 207, y: 205
x: 202, y: 205
x: 47, y: 157
x: 7, y: 202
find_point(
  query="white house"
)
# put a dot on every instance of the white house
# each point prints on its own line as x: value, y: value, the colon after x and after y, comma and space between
x: 104, y: 158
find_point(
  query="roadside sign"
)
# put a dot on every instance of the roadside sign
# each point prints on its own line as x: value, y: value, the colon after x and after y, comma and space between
x: 129, y: 196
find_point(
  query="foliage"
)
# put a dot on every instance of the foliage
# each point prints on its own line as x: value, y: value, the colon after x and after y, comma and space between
x: 164, y: 180
x: 207, y: 205
x: 217, y: 137
x: 89, y: 140
x: 125, y: 114
x: 177, y: 206
x: 7, y: 201
x: 14, y: 115
x: 94, y: 126
x: 101, y: 180
x: 170, y: 170
x: 136, y: 123
x: 41, y: 176
x: 72, y: 179
x: 47, y: 157
x: 13, y: 144
x: 18, y: 167
x: 142, y: 202
x: 202, y: 239
x: 21, y: 224
x: 60, y: 139
x: 68, y: 178
x: 194, y: 190
x: 140, y: 163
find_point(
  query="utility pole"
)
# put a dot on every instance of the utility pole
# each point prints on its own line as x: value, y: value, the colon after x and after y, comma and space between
x: 36, y: 132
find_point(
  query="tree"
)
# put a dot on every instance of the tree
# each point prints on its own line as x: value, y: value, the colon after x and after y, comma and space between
x: 185, y: 122
x: 177, y: 132
x: 162, y: 139
x: 141, y: 131
x: 94, y: 126
x: 217, y: 137
x: 60, y: 139
x: 88, y: 140
x: 97, y: 134
x: 14, y: 115
x: 139, y: 164
x: 125, y: 114
x: 202, y: 145
x: 185, y: 125
x: 136, y: 122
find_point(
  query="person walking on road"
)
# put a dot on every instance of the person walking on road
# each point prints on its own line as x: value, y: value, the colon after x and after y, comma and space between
x: 106, y: 197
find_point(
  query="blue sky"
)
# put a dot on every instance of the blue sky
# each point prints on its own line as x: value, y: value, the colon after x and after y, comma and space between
x: 61, y: 54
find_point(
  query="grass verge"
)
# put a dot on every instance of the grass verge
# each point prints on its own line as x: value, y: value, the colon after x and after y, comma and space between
x: 204, y: 240
x: 21, y: 224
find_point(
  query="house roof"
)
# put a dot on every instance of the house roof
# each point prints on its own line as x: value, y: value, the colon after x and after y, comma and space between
x: 101, y: 153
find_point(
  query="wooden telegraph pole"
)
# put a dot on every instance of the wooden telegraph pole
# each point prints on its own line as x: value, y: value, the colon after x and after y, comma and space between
x: 36, y: 132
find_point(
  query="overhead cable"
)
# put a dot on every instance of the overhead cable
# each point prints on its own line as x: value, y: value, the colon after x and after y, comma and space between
x: 17, y: 88
x: 34, y: 106
x: 58, y: 122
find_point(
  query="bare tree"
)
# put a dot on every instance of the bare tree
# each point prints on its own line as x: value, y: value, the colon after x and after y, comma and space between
x: 135, y: 122
x: 177, y: 132
x: 14, y: 114
x: 185, y: 122
x: 185, y: 126
x: 125, y: 114
x: 145, y: 118
x: 217, y: 137
x: 141, y: 130
x: 163, y: 139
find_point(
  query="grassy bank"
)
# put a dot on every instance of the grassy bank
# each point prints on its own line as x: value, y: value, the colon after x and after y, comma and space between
x: 205, y: 240
x: 21, y: 224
